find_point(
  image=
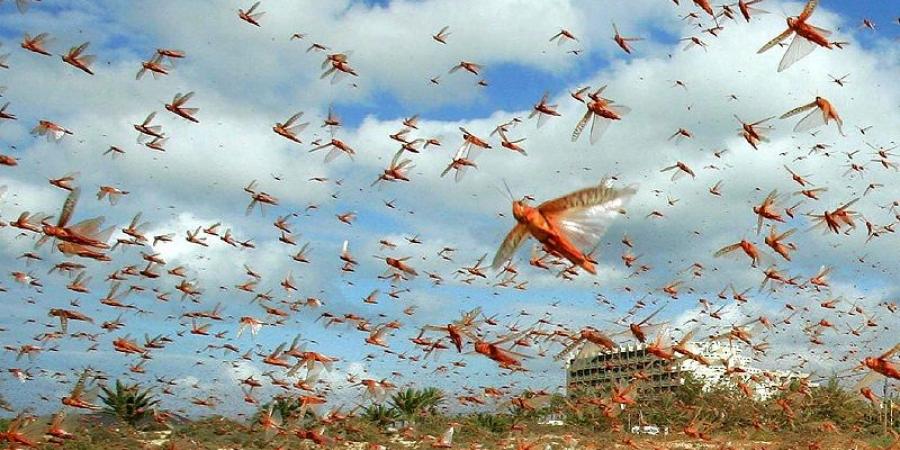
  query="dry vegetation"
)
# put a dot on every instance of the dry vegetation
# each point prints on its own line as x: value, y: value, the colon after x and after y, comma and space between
x: 800, y: 417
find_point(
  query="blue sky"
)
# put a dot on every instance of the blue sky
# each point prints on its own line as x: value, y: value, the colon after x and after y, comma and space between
x: 246, y: 79
x: 514, y: 85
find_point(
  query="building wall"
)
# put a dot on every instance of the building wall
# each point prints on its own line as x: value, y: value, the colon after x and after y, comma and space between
x: 598, y: 368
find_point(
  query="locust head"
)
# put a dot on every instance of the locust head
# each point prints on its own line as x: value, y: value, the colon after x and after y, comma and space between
x: 518, y: 208
x: 521, y: 210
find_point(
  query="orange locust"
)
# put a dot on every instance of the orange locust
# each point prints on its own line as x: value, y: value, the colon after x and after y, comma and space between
x: 588, y: 334
x: 639, y: 329
x: 250, y: 16
x: 800, y: 179
x: 567, y: 224
x: 155, y: 66
x: 7, y: 115
x: 302, y: 255
x: 75, y: 398
x: 806, y: 37
x: 36, y: 44
x: 743, y: 333
x: 378, y: 336
x: 672, y: 288
x: 694, y: 42
x: 466, y: 154
x: 746, y: 7
x: 65, y: 181
x: 774, y: 239
x: 289, y: 129
x: 682, y: 349
x: 470, y: 140
x: 170, y: 53
x: 258, y: 197
x: 267, y: 422
x: 766, y: 210
x: 57, y: 433
x: 692, y: 431
x: 455, y: 330
x: 705, y: 6
x: 112, y: 193
x: 870, y: 395
x: 10, y: 161
x: 340, y: 67
x: 506, y: 359
x: 337, y: 147
x: 753, y: 132
x: 563, y: 36
x: 748, y: 248
x: 441, y: 35
x: 397, y: 171
x: 85, y: 234
x: 505, y: 142
x: 880, y: 366
x: 460, y: 162
x: 14, y: 434
x: 79, y: 284
x: 177, y: 107
x: 277, y: 358
x: 332, y: 120
x: 52, y: 131
x: 820, y: 279
x: 542, y: 110
x: 579, y: 94
x: 467, y: 66
x: 603, y: 111
x: 622, y: 41
x: 136, y: 228
x: 821, y: 113
x: 446, y: 439
x: 310, y: 360
x: 145, y: 129
x: 65, y: 315
x: 660, y: 347
x: 79, y: 61
x: 398, y: 265
x: 837, y: 219
x: 127, y: 346
x: 623, y: 395
x: 346, y: 256
x: 680, y: 169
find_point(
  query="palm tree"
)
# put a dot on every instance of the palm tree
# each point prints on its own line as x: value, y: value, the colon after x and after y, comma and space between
x: 432, y: 398
x: 128, y: 402
x: 380, y: 414
x: 413, y: 402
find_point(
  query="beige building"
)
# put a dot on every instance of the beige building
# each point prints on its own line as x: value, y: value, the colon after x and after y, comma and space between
x: 595, y: 367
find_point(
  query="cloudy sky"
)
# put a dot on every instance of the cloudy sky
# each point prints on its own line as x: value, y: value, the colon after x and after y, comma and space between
x: 247, y: 78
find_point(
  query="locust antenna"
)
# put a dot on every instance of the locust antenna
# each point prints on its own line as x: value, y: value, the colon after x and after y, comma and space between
x: 506, y: 193
x: 508, y: 190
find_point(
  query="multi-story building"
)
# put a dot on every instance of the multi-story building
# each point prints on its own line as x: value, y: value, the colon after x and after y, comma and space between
x: 596, y: 367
